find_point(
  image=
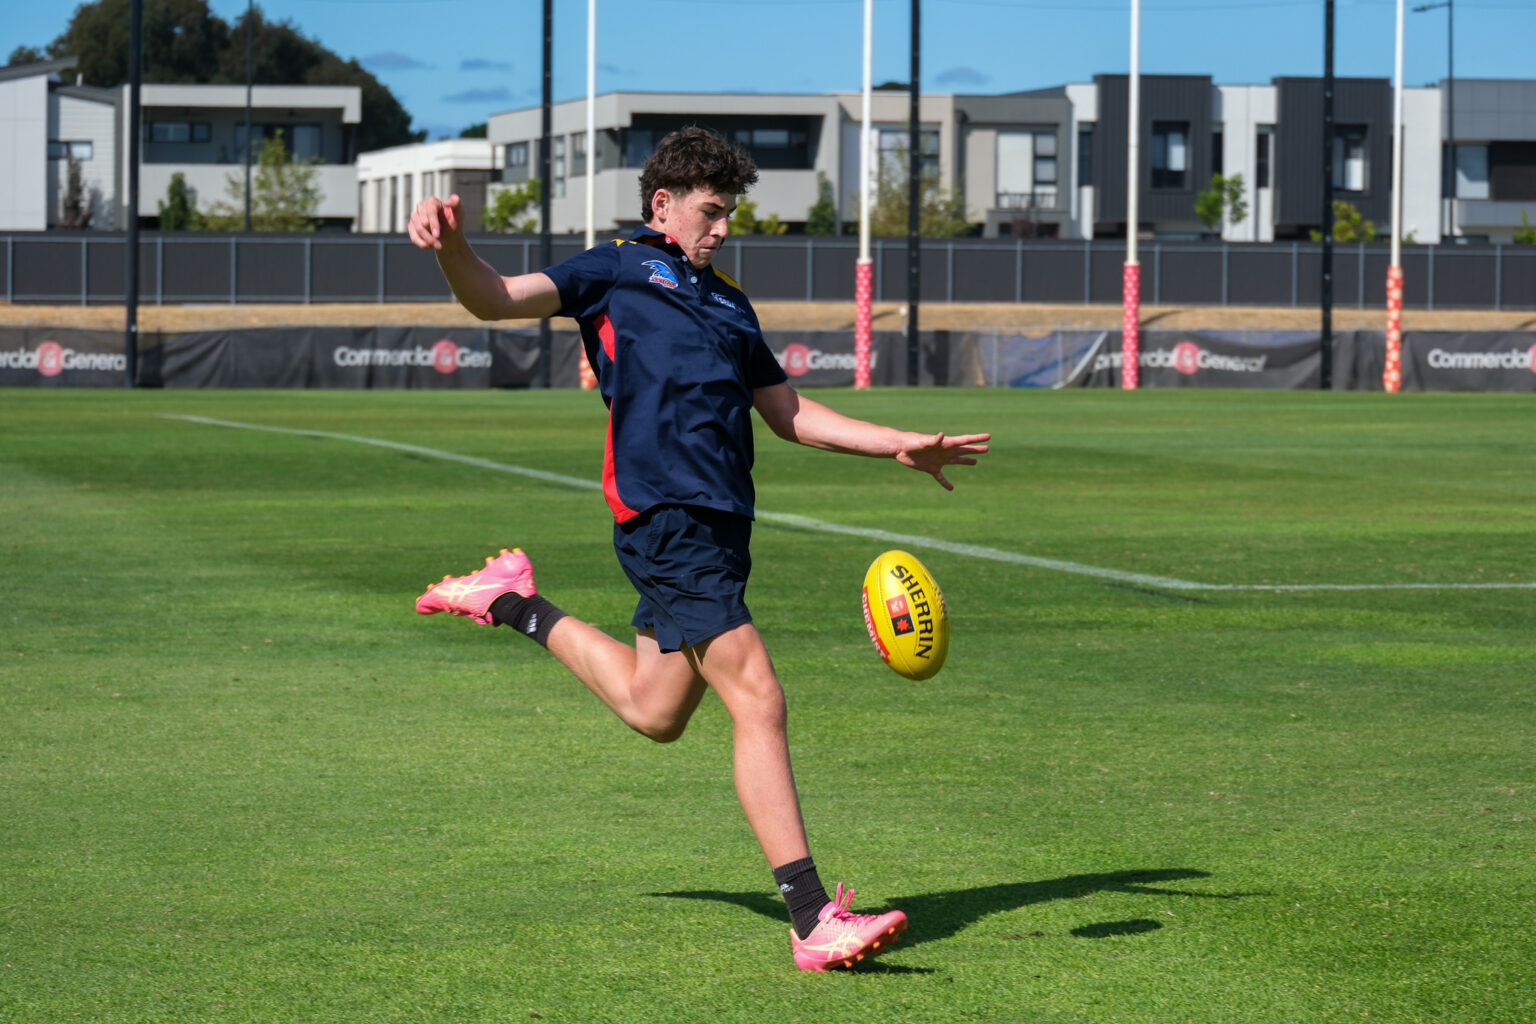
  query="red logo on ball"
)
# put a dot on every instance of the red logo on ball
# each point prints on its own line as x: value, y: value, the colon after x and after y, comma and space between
x: 797, y: 359
x: 1186, y: 357
x: 445, y: 356
x: 1533, y: 358
x: 50, y: 359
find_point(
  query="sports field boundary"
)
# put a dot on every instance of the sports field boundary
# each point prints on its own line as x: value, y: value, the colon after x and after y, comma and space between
x: 884, y: 536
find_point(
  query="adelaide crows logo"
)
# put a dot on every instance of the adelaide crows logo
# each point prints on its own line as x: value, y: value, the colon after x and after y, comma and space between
x: 661, y: 274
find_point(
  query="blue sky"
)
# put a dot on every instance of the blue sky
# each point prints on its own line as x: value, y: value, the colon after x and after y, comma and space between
x: 454, y: 62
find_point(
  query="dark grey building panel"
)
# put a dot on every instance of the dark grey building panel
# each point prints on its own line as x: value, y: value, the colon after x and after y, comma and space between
x: 1182, y: 99
x: 1492, y: 108
x: 1299, y: 156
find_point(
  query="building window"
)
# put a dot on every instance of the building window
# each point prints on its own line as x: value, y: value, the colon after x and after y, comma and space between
x: 303, y: 141
x: 1218, y: 156
x: 893, y: 146
x: 557, y: 165
x: 1471, y: 170
x: 394, y: 204
x: 70, y: 150
x: 1170, y: 154
x: 515, y: 167
x: 1084, y: 155
x: 177, y: 131
x: 405, y: 194
x: 1349, y: 163
x: 579, y: 154
x: 258, y: 132
x: 1263, y: 153
x: 1026, y: 169
x: 428, y: 184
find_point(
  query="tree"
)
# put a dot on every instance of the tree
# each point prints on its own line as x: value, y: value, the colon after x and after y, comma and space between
x: 77, y: 205
x: 284, y: 195
x: 178, y: 211
x: 1525, y: 234
x: 182, y: 42
x: 502, y: 212
x: 186, y: 42
x: 745, y: 221
x: 940, y: 214
x: 1348, y: 225
x: 474, y: 131
x: 821, y: 218
x: 1224, y: 199
x: 24, y: 55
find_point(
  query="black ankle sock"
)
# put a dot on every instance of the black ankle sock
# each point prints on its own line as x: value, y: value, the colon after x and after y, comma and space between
x: 803, y: 892
x: 531, y: 616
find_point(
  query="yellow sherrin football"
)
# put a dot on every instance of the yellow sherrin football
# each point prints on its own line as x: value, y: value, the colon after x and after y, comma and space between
x: 905, y: 615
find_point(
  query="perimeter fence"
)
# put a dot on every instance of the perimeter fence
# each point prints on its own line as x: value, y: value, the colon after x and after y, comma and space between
x: 202, y: 268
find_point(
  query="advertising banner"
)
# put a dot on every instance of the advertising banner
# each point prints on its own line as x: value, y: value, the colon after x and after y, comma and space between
x: 62, y: 357
x: 328, y: 357
x: 826, y: 358
x: 1451, y: 361
x: 1209, y: 359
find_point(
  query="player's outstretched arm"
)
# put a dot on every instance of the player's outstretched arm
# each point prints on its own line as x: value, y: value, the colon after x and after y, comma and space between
x: 805, y: 421
x: 438, y: 225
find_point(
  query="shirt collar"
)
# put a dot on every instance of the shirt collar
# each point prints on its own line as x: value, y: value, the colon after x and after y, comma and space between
x: 652, y: 237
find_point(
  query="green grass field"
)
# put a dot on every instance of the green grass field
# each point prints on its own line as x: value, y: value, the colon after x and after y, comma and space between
x: 243, y: 781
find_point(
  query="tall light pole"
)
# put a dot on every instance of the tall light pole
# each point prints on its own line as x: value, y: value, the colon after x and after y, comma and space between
x: 1448, y: 189
x: 1392, y: 372
x: 249, y: 76
x: 131, y: 257
x: 546, y: 184
x: 1325, y: 366
x: 1130, y: 288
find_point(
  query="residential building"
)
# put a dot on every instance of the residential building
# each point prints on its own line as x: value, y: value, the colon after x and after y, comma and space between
x: 196, y: 130
x: 45, y: 123
x: 391, y: 181
x: 199, y: 132
x: 1495, y: 180
x: 794, y: 139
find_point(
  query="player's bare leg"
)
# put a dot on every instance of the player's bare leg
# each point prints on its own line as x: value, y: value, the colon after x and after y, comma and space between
x: 737, y: 667
x: 653, y: 693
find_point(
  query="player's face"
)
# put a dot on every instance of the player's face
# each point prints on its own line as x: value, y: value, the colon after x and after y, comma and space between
x: 697, y: 221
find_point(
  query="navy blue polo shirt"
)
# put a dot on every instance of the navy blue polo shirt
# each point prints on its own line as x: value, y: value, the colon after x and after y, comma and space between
x: 678, y: 353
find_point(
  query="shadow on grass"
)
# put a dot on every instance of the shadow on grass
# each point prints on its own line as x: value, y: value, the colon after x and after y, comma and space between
x: 940, y: 915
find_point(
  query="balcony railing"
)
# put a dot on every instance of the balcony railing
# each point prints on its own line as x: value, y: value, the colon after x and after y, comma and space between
x: 1039, y: 199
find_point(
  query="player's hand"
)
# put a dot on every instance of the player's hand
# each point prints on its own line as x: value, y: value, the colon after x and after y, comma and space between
x: 930, y: 453
x: 435, y: 221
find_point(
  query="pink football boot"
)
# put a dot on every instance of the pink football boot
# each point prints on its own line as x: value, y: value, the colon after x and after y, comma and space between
x: 471, y: 596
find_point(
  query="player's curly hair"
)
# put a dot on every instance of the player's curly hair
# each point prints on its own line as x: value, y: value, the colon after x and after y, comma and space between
x: 692, y: 158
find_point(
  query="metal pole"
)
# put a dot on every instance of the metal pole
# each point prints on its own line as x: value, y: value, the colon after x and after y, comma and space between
x: 1325, y: 370
x: 863, y: 289
x: 249, y: 77
x: 546, y: 252
x: 1130, y: 284
x: 1448, y: 164
x: 914, y: 193
x: 1450, y: 113
x: 131, y: 257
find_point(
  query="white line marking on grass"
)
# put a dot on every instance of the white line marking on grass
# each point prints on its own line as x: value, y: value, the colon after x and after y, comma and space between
x: 884, y: 536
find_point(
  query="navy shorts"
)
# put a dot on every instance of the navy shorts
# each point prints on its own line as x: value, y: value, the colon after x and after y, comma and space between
x: 690, y: 567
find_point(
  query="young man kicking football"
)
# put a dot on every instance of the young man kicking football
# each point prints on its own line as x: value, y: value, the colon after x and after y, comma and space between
x: 681, y: 363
